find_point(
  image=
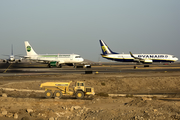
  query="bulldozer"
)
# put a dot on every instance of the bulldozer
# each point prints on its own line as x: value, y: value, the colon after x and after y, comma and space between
x: 58, y: 89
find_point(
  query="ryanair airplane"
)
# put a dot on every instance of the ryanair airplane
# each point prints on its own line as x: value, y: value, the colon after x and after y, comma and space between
x: 52, y: 59
x: 140, y: 58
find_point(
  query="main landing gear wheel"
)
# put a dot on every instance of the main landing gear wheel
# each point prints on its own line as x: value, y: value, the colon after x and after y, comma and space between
x: 79, y: 94
x: 58, y: 94
x: 60, y: 66
x: 49, y: 65
x: 48, y: 94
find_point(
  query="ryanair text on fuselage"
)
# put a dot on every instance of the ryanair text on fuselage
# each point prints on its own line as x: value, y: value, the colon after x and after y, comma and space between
x: 153, y: 56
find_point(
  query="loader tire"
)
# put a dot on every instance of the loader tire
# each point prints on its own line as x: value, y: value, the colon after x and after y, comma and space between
x: 79, y: 94
x: 48, y: 94
x: 58, y: 94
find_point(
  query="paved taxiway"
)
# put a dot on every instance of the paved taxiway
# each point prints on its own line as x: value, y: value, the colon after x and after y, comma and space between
x: 27, y: 68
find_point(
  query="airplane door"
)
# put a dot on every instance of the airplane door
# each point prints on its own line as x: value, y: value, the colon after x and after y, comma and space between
x: 71, y: 57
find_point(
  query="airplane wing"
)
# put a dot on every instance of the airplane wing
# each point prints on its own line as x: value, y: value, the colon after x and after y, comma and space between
x: 134, y: 56
x: 18, y: 55
x: 5, y: 55
x: 138, y: 59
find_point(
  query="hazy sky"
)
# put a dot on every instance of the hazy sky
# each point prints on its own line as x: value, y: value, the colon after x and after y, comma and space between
x: 75, y: 26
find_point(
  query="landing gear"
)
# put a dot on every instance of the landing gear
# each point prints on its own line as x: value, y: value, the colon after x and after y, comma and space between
x: 138, y: 63
x: 60, y: 66
x: 146, y: 65
x: 49, y: 65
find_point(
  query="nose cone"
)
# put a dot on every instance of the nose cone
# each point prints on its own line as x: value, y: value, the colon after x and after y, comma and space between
x: 11, y: 59
x: 175, y: 59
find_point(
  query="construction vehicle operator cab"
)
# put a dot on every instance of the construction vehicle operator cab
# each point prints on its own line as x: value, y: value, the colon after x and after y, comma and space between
x: 79, y: 86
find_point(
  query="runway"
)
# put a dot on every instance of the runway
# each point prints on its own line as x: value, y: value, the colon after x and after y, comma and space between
x: 26, y: 68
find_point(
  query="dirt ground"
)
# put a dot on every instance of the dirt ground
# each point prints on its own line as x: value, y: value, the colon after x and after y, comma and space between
x: 26, y: 105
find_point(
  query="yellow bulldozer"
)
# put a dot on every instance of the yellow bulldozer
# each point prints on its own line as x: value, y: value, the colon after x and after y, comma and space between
x: 58, y: 89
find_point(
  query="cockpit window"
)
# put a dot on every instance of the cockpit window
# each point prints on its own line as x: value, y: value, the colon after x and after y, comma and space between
x: 78, y: 57
x: 174, y: 56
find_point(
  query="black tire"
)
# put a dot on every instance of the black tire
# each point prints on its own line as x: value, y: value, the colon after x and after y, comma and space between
x: 58, y: 94
x: 79, y: 94
x: 49, y: 65
x: 48, y: 94
x: 60, y: 66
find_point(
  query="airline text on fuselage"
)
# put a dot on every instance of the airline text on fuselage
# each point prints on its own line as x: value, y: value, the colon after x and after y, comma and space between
x: 153, y: 56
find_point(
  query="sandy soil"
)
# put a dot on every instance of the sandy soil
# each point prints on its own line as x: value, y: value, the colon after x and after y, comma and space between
x: 33, y: 105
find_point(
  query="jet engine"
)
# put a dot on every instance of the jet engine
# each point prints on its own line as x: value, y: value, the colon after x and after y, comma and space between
x: 4, y: 60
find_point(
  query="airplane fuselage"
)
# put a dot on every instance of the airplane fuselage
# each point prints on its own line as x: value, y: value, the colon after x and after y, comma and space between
x: 60, y: 58
x: 128, y: 58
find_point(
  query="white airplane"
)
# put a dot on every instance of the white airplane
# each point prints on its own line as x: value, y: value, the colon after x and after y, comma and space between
x: 139, y: 58
x: 52, y: 59
x: 11, y: 58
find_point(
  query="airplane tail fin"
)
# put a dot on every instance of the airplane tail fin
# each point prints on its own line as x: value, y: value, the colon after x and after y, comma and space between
x: 29, y: 49
x: 105, y: 49
x: 11, y: 49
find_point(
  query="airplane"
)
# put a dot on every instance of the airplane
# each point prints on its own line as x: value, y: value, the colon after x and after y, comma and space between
x: 139, y: 58
x: 11, y: 58
x: 52, y: 59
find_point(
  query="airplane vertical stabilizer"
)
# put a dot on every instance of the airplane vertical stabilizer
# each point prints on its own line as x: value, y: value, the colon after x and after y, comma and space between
x: 29, y: 49
x: 105, y: 49
x: 11, y: 49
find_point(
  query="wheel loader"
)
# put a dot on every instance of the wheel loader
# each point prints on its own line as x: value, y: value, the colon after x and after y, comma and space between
x: 58, y: 89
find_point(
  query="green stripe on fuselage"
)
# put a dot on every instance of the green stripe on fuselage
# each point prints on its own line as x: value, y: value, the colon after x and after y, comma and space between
x: 48, y: 56
x: 60, y: 56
